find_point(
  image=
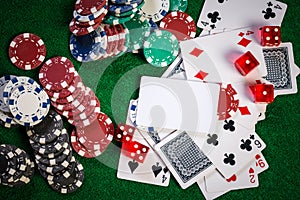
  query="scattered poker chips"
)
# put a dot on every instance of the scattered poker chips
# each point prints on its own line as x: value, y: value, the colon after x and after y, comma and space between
x: 53, y: 152
x: 155, y: 10
x: 180, y: 24
x: 16, y: 168
x: 17, y: 93
x: 161, y: 48
x: 27, y: 51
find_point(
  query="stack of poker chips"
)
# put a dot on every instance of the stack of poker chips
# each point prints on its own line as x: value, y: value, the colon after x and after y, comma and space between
x: 16, y: 168
x: 121, y: 11
x: 17, y: 92
x: 53, y: 154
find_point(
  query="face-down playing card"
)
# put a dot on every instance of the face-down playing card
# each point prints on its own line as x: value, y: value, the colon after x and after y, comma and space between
x: 177, y: 104
x: 184, y: 158
x: 211, y: 58
x: 236, y: 14
x: 151, y: 171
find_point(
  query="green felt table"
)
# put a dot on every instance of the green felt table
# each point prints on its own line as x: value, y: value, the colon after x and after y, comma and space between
x: 115, y: 82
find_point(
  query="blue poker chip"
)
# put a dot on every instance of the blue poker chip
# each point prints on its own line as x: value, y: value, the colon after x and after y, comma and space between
x: 117, y: 9
x: 86, y: 48
x: 127, y: 2
x: 153, y: 25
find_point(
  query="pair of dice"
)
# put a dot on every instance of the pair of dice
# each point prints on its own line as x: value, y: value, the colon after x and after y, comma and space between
x: 262, y: 93
x: 130, y: 148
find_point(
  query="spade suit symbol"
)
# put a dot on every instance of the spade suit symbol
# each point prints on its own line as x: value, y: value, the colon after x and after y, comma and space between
x: 133, y: 165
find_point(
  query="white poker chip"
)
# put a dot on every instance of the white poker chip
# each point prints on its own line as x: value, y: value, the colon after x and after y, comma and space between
x: 155, y: 10
x: 3, y: 82
x: 29, y: 104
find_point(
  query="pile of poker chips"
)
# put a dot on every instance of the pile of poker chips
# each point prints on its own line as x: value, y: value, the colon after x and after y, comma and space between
x: 27, y: 51
x: 17, y: 93
x: 53, y: 154
x: 16, y: 168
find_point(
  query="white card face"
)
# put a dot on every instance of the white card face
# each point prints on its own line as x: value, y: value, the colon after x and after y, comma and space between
x: 232, y: 148
x: 282, y: 72
x: 246, y: 178
x: 151, y: 171
x: 212, y: 57
x: 177, y: 104
x: 236, y: 14
x: 261, y: 163
x: 206, y: 194
x: 176, y: 70
x: 183, y: 157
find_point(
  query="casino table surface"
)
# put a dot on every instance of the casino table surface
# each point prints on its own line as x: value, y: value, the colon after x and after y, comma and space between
x: 115, y: 82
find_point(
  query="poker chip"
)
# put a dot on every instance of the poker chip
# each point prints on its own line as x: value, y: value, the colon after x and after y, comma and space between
x: 27, y: 51
x: 57, y: 73
x: 87, y: 7
x: 126, y: 2
x: 69, y: 98
x: 57, y: 153
x: 85, y: 122
x: 116, y: 40
x: 228, y: 102
x: 7, y: 121
x: 113, y: 20
x: 98, y: 135
x: 57, y: 160
x: 53, y: 147
x: 79, y: 30
x: 117, y: 8
x: 130, y: 12
x: 178, y: 5
x: 180, y: 24
x: 70, y: 184
x: 3, y: 81
x: 48, y: 130
x: 31, y: 95
x: 76, y: 82
x: 92, y: 16
x: 155, y: 10
x: 55, y: 169
x: 85, y: 48
x: 80, y: 149
x: 98, y: 20
x: 139, y: 29
x: 161, y: 48
x: 122, y: 37
x: 126, y: 41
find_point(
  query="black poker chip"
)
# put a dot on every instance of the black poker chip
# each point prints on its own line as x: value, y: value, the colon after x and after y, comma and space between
x: 70, y: 184
x: 57, y: 160
x: 53, y: 147
x: 48, y: 130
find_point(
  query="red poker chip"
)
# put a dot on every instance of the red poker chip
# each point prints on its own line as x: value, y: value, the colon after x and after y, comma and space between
x: 228, y: 105
x: 115, y: 44
x: 95, y: 136
x: 98, y: 20
x: 110, y: 41
x: 80, y: 149
x: 91, y: 105
x: 79, y: 30
x: 104, y: 120
x: 69, y: 106
x: 77, y: 81
x: 122, y: 34
x: 57, y: 73
x: 87, y: 7
x: 180, y: 24
x: 27, y: 51
x: 83, y: 123
x: 69, y: 98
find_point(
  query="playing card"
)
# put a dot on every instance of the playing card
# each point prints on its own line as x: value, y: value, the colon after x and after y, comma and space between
x: 246, y: 178
x: 212, y: 57
x: 232, y: 147
x: 261, y: 163
x: 236, y: 14
x: 209, y: 195
x: 184, y: 158
x: 177, y: 104
x: 151, y: 171
x: 176, y: 70
x: 282, y: 71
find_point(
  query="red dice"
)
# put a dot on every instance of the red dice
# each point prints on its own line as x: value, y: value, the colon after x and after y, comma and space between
x: 246, y: 63
x: 124, y: 133
x: 270, y: 36
x: 135, y: 150
x: 262, y: 93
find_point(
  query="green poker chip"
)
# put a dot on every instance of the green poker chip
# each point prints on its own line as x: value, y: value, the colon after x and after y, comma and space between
x: 161, y: 48
x: 139, y: 28
x: 178, y: 5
